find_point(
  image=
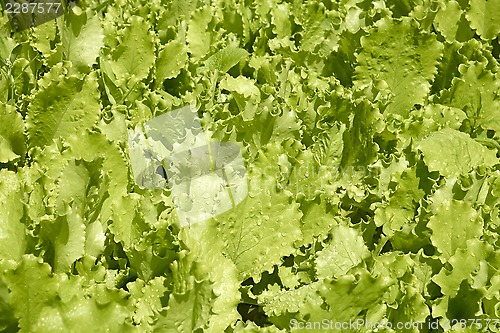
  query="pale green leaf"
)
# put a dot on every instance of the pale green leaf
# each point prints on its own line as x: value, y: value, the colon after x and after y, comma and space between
x: 246, y: 94
x: 484, y: 17
x: 452, y: 225
x: 403, y: 58
x: 207, y: 245
x: 67, y: 236
x: 7, y: 45
x: 477, y: 93
x: 226, y: 58
x: 358, y: 291
x: 187, y: 312
x: 397, y: 214
x: 450, y: 21
x: 43, y: 37
x: 147, y: 299
x: 95, y: 239
x: 126, y: 225
x: 12, y: 230
x: 134, y: 57
x: 265, y: 225
x: 453, y: 153
x: 6, y: 153
x: 171, y: 59
x: 465, y: 262
x: 12, y: 140
x: 72, y: 187
x: 32, y: 287
x: 81, y: 313
x: 198, y: 38
x: 346, y: 250
x: 63, y: 108
x: 317, y: 221
x: 82, y: 40
x: 277, y: 301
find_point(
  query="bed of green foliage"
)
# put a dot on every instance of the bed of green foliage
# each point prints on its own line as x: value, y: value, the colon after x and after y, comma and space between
x: 370, y: 135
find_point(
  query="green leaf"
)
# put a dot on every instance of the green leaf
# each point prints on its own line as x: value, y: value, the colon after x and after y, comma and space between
x: 132, y: 64
x: 265, y: 225
x: 95, y: 239
x: 190, y: 304
x: 82, y: 39
x: 32, y: 287
x: 6, y: 153
x: 92, y: 146
x: 320, y: 28
x: 12, y: 230
x: 464, y: 262
x: 176, y: 11
x: 277, y: 301
x: 328, y: 147
x: 246, y: 94
x: 281, y: 20
x: 171, y: 59
x: 451, y: 23
x: 345, y: 251
x: 452, y: 225
x: 484, y: 17
x: 67, y: 235
x: 399, y: 211
x: 358, y: 291
x: 197, y: 37
x: 81, y: 314
x: 405, y: 300
x: 207, y: 246
x: 63, y: 108
x: 363, y: 123
x: 448, y: 67
x: 318, y: 220
x: 389, y: 171
x: 8, y: 321
x: 321, y: 95
x: 12, y: 140
x: 453, y: 153
x: 7, y: 45
x: 226, y: 58
x: 241, y: 85
x: 147, y: 299
x: 412, y: 308
x: 43, y: 37
x: 126, y: 226
x: 71, y: 188
x: 477, y: 93
x: 401, y: 57
x: 250, y: 326
x: 431, y: 118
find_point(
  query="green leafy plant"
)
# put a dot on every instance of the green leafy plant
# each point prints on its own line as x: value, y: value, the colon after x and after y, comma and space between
x: 370, y: 133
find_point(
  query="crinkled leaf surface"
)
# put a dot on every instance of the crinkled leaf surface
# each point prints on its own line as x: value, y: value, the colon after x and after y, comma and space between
x: 406, y: 72
x: 345, y: 251
x: 453, y: 153
x: 369, y: 136
x: 63, y: 108
x: 453, y: 224
x: 484, y: 17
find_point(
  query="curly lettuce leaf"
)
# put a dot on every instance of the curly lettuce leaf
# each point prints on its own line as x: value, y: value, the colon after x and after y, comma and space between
x: 452, y: 153
x: 396, y: 55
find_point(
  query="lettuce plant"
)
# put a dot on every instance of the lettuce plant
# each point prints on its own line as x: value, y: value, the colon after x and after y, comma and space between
x: 369, y: 131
